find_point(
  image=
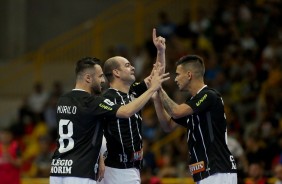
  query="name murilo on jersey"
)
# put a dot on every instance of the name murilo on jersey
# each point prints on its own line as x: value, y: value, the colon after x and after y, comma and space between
x: 61, y: 166
x: 66, y: 109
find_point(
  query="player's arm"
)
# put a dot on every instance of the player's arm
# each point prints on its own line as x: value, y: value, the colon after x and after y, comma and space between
x: 102, y: 166
x: 173, y: 109
x: 136, y: 105
x: 164, y: 118
x: 159, y: 43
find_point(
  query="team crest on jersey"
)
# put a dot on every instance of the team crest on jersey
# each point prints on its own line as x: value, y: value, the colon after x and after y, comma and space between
x: 136, y: 83
x: 109, y: 102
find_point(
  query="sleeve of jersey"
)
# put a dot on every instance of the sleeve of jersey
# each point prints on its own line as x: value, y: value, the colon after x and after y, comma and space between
x: 139, y: 88
x: 105, y: 107
x: 181, y: 121
x: 201, y: 102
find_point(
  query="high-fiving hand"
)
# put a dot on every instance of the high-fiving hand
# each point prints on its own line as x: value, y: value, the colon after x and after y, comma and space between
x: 157, y: 78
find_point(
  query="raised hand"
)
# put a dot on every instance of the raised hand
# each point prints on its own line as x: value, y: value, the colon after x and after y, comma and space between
x: 159, y: 41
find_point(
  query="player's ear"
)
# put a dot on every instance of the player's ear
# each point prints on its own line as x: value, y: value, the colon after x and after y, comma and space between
x: 189, y: 75
x: 116, y: 72
x: 87, y: 78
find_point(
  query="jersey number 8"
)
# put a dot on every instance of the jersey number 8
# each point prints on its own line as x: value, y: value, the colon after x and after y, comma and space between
x: 65, y: 137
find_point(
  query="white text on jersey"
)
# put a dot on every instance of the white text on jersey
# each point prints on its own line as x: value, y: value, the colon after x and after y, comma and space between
x: 61, y: 166
x: 66, y: 109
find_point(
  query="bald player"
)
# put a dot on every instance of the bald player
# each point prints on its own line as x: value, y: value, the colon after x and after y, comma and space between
x: 123, y: 135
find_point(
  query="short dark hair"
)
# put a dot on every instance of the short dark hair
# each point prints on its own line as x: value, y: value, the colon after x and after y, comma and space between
x: 84, y: 63
x: 109, y: 66
x: 195, y: 61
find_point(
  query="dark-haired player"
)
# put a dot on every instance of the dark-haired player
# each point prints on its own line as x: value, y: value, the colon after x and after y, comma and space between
x: 203, y: 116
x: 79, y: 114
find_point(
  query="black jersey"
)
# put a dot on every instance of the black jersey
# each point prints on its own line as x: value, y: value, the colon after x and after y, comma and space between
x: 207, y: 135
x: 80, y: 133
x: 123, y: 135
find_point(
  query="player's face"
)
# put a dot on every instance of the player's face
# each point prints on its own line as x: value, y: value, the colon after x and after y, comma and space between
x: 127, y: 71
x: 98, y: 80
x: 181, y: 78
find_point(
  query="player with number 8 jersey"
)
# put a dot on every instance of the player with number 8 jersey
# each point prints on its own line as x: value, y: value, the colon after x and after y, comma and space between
x: 79, y: 114
x: 80, y: 131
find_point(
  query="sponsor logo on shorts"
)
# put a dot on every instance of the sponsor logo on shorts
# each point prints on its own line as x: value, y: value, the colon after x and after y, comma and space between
x: 197, y: 167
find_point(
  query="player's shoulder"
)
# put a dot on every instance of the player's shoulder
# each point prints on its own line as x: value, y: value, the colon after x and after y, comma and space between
x: 70, y: 95
x: 209, y: 92
x: 84, y: 98
x: 138, y: 88
x: 110, y: 93
x: 136, y: 84
x: 75, y: 93
x: 206, y: 94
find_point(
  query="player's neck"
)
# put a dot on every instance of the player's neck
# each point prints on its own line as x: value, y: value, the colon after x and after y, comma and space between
x: 123, y: 87
x: 197, y: 86
x: 83, y: 87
